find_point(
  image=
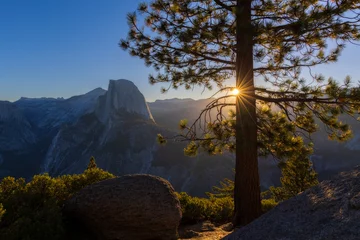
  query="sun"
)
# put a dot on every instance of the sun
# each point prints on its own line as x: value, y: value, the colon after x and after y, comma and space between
x: 235, y: 91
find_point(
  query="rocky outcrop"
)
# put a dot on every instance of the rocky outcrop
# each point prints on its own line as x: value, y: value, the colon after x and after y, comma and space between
x: 330, y: 210
x: 122, y: 97
x: 121, y: 135
x: 129, y: 207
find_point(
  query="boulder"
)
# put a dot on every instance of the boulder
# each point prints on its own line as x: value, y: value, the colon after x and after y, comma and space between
x: 330, y: 210
x: 129, y: 207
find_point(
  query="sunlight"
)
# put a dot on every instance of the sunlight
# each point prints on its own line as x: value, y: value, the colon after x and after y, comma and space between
x: 235, y: 91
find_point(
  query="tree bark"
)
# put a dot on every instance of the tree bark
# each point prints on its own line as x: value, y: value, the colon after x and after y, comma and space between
x: 247, y: 183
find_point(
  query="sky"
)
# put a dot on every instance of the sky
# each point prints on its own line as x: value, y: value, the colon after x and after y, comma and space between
x: 51, y: 48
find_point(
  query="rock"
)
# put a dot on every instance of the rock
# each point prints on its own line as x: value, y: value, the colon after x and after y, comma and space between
x: 129, y: 207
x: 205, y: 226
x: 329, y: 210
x: 122, y: 96
x: 355, y: 201
x: 202, y: 230
x: 188, y: 234
x: 227, y: 227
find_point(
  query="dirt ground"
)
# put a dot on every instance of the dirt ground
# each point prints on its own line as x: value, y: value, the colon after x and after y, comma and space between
x: 204, y: 231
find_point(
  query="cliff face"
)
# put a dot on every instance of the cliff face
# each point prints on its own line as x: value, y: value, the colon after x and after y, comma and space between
x: 117, y: 128
x: 122, y: 97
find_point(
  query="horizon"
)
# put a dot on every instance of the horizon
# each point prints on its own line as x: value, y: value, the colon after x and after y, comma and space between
x: 105, y: 89
x: 64, y: 49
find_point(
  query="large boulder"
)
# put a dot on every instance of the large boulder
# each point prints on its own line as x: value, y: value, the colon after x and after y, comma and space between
x: 129, y: 207
x: 330, y: 210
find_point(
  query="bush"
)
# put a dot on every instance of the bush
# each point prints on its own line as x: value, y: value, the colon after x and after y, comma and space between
x: 196, y: 209
x: 222, y: 209
x: 33, y: 210
x: 33, y: 221
x: 2, y: 211
x: 268, y: 204
x: 74, y: 183
x: 214, y: 209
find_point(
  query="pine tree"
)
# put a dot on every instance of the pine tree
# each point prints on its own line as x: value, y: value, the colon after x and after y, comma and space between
x: 297, y: 176
x: 205, y: 42
x: 226, y: 189
x: 92, y: 163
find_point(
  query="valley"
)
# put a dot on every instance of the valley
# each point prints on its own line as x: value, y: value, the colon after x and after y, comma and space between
x: 118, y: 127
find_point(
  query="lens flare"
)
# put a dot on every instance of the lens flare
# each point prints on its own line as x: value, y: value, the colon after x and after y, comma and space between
x: 235, y: 91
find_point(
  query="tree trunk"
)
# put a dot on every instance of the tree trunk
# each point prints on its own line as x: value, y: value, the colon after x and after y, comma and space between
x: 247, y: 183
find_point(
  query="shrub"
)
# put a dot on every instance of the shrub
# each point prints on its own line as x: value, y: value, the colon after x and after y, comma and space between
x: 74, y: 183
x: 2, y: 211
x: 222, y: 209
x: 195, y: 209
x: 297, y: 176
x: 33, y: 220
x: 215, y: 209
x: 268, y: 204
x: 33, y: 210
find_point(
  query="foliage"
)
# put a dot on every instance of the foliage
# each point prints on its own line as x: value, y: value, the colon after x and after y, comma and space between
x: 268, y: 204
x: 160, y: 139
x: 215, y: 209
x: 76, y: 182
x: 2, y: 211
x: 33, y: 210
x: 194, y: 42
x: 204, y: 42
x: 195, y: 209
x: 92, y: 163
x: 297, y: 176
x: 226, y: 189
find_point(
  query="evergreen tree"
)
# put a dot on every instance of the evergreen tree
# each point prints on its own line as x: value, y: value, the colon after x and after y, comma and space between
x: 205, y: 42
x: 92, y: 163
x: 226, y: 189
x: 297, y: 176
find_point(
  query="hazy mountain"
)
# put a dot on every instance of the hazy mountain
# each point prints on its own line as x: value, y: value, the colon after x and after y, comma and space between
x: 329, y: 157
x: 45, y: 113
x: 119, y: 129
x: 169, y: 112
x: 122, y: 97
x: 16, y: 132
x: 116, y: 126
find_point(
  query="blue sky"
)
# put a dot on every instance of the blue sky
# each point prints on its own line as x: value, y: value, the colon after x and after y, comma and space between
x: 51, y: 48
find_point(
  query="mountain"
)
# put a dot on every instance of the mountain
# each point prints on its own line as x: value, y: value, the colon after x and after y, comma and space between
x: 329, y: 158
x: 115, y: 126
x: 16, y: 132
x: 169, y: 112
x: 119, y: 129
x: 122, y: 96
x: 49, y: 113
x: 120, y: 132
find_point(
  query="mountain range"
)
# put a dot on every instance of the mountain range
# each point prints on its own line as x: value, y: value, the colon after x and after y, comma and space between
x: 118, y: 127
